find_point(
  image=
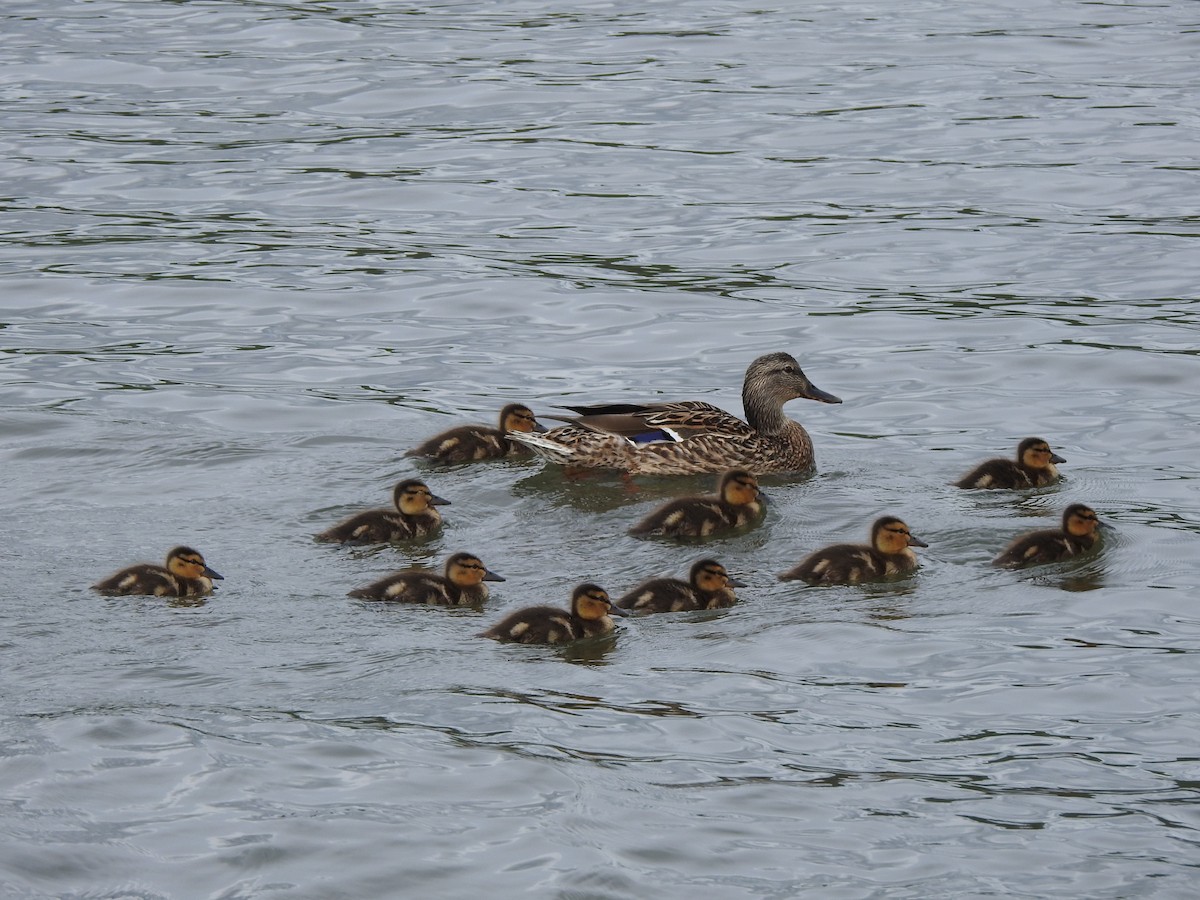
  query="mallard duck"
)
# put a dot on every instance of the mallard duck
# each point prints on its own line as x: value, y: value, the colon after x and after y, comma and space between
x: 461, y: 585
x: 468, y: 443
x: 691, y: 436
x: 708, y: 587
x: 185, y: 574
x: 738, y: 502
x: 1033, y: 467
x: 414, y: 516
x: 888, y: 554
x: 1079, y: 533
x: 589, y: 616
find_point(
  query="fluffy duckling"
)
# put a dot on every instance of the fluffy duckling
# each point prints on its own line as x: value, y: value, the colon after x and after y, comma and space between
x: 888, y: 554
x: 414, y: 516
x: 1079, y: 533
x: 588, y: 617
x: 738, y: 502
x: 185, y: 574
x: 708, y: 587
x: 461, y: 585
x: 468, y: 443
x: 1033, y: 467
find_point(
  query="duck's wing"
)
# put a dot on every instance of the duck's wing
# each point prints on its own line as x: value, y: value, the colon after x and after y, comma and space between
x: 659, y: 421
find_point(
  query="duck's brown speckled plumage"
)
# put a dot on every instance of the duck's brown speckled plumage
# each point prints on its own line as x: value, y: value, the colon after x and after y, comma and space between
x: 185, y: 574
x: 708, y: 587
x: 737, y: 503
x: 1079, y: 534
x: 689, y: 437
x: 461, y: 584
x: 589, y: 616
x: 1033, y: 467
x: 415, y: 516
x: 887, y: 555
x: 470, y: 443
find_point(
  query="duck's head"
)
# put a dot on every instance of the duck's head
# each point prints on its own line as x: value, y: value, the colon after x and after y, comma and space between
x: 468, y: 570
x: 709, y: 575
x: 891, y: 535
x: 185, y: 562
x: 519, y: 417
x: 413, y: 497
x: 778, y: 377
x: 1080, y: 520
x: 738, y: 487
x: 1035, y: 453
x: 591, y: 602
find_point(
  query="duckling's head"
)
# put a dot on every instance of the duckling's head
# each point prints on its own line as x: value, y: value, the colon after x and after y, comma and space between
x: 1080, y: 520
x: 891, y: 535
x: 467, y: 570
x: 1035, y: 453
x: 709, y: 575
x: 777, y: 378
x: 519, y: 417
x: 591, y: 602
x: 738, y: 487
x: 413, y: 497
x: 185, y: 562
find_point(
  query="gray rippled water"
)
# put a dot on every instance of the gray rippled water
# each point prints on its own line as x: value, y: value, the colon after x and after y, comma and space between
x: 253, y: 251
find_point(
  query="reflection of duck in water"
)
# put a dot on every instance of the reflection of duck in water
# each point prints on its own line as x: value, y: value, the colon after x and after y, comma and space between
x: 1033, y: 467
x: 589, y: 616
x: 738, y: 502
x: 708, y: 587
x: 1079, y: 533
x: 468, y: 443
x: 184, y: 575
x: 414, y: 516
x: 462, y: 584
x: 887, y: 555
x: 691, y: 436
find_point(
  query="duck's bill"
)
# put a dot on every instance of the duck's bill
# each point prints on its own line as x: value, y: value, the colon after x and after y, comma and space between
x: 617, y: 611
x: 815, y: 393
x: 217, y: 576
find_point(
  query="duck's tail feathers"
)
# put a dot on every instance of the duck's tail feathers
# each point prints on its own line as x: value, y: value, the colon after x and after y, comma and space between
x: 544, y: 448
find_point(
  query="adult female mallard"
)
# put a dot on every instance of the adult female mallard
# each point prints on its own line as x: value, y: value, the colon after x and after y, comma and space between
x: 1079, y: 533
x: 737, y: 503
x: 589, y: 616
x: 1033, y: 467
x: 469, y: 443
x: 887, y: 555
x: 184, y: 575
x: 461, y: 585
x: 690, y: 436
x: 414, y: 516
x: 708, y: 587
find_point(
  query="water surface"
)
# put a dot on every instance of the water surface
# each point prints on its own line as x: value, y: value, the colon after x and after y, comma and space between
x: 254, y: 251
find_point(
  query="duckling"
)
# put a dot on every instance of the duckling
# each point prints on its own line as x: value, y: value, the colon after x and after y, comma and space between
x: 184, y: 575
x: 1079, y: 533
x: 468, y: 443
x: 1033, y: 467
x: 588, y: 617
x: 461, y: 585
x: 708, y: 587
x: 738, y: 502
x: 886, y: 555
x: 413, y: 517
